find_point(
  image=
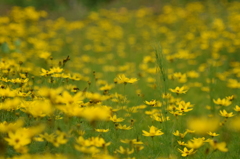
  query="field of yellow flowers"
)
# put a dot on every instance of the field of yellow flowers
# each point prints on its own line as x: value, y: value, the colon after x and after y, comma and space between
x: 121, y: 83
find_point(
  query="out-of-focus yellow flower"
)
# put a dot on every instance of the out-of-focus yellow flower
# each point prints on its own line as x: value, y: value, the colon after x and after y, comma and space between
x: 202, y: 125
x: 234, y: 124
x: 182, y: 143
x: 181, y: 135
x: 213, y: 134
x: 195, y: 143
x: 7, y: 127
x: 102, y: 130
x: 95, y: 113
x: 18, y: 140
x: 106, y: 87
x: 44, y: 54
x: 126, y: 151
x: 38, y: 108
x: 22, y: 137
x: 88, y: 150
x: 132, y: 142
x: 237, y: 108
x: 221, y: 146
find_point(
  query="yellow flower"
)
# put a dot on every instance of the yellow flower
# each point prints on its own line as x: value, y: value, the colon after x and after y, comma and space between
x: 81, y: 132
x: 154, y: 103
x: 181, y: 135
x: 179, y: 90
x: 218, y: 146
x: 44, y: 54
x: 152, y: 132
x: 224, y: 113
x: 18, y: 139
x: 202, y: 125
x: 123, y: 127
x: 99, y: 142
x: 126, y: 151
x: 223, y: 102
x: 185, y: 152
x: 7, y: 127
x: 159, y: 117
x: 183, y: 108
x: 182, y: 143
x: 101, y: 130
x: 115, y: 119
x: 90, y: 150
x: 96, y: 113
x: 151, y: 103
x: 212, y: 134
x: 230, y: 97
x: 55, y: 70
x: 237, y: 108
x: 60, y: 139
x: 195, y: 143
x: 133, y: 141
x: 106, y: 87
x: 123, y: 79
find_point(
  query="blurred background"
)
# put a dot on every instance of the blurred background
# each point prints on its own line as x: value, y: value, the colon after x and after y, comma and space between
x: 73, y: 9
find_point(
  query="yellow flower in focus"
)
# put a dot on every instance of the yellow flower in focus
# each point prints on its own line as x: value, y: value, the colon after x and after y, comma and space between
x: 223, y: 102
x: 123, y: 79
x: 152, y: 132
x: 123, y: 127
x: 224, y: 113
x: 55, y: 70
x: 185, y: 152
x: 179, y: 90
x: 153, y: 103
x: 115, y: 119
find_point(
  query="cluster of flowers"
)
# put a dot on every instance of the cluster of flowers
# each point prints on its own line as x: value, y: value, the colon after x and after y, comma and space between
x: 95, y: 88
